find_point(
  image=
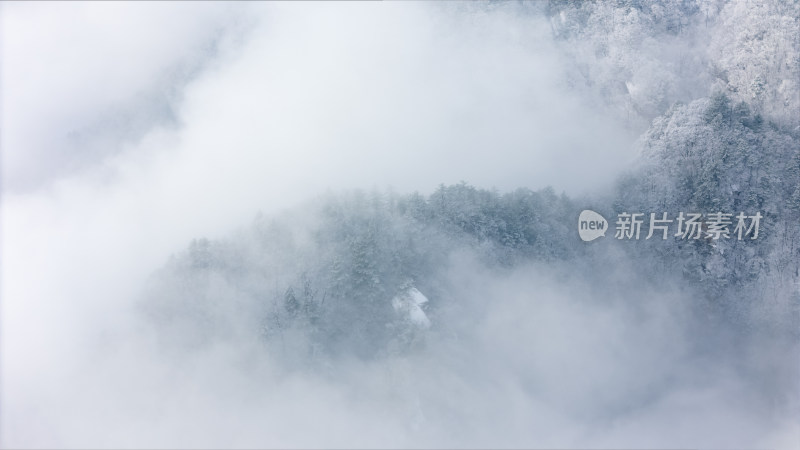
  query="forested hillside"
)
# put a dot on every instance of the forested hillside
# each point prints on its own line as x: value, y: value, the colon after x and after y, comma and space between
x: 717, y: 83
x: 334, y: 281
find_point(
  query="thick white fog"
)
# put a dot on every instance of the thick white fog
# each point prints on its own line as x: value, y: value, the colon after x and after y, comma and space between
x: 130, y: 129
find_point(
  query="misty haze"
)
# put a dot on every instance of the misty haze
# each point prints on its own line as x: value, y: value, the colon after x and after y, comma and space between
x: 555, y: 224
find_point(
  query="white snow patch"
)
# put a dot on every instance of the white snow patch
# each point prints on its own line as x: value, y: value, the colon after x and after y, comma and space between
x: 410, y: 303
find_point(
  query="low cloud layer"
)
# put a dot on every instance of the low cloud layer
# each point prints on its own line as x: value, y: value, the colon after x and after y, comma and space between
x: 524, y: 360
